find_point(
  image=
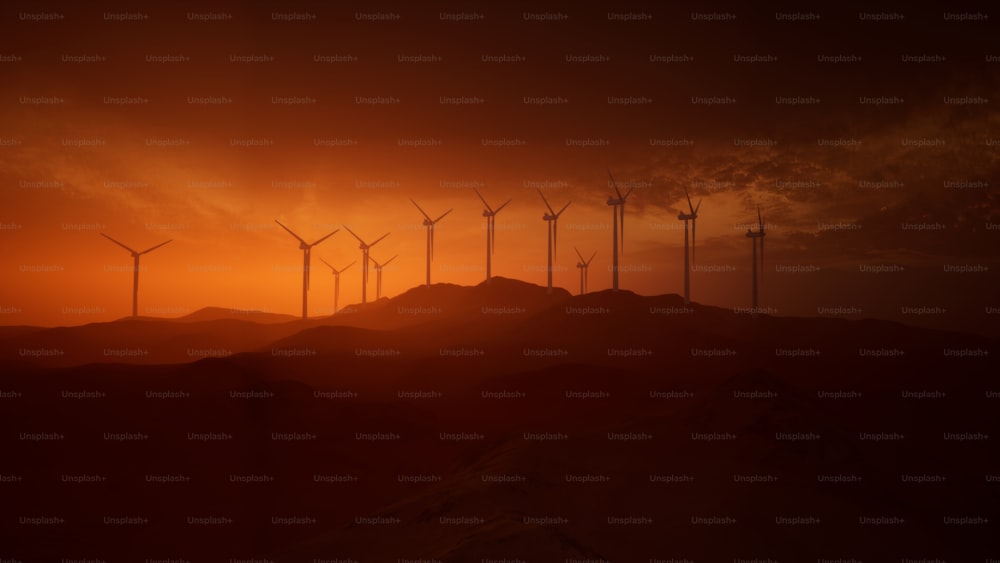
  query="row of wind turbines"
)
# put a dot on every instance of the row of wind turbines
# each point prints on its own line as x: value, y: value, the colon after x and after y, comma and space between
x: 551, y: 217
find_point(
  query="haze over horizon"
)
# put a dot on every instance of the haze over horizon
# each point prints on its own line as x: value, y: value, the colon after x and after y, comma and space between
x: 873, y: 157
x: 836, y: 404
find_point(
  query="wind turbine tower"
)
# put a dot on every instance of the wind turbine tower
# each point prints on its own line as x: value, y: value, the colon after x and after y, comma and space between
x: 618, y: 215
x: 365, y: 258
x: 584, y: 266
x: 306, y: 252
x: 378, y: 275
x: 753, y: 236
x: 135, y: 270
x: 491, y: 235
x: 336, y: 283
x: 552, y: 218
x: 692, y: 216
x: 429, y: 223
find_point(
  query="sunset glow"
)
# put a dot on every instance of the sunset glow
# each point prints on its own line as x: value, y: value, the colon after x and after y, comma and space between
x: 809, y: 377
x: 348, y: 120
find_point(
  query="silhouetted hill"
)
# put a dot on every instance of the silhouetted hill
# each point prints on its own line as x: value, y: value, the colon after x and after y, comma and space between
x: 611, y: 385
x: 11, y: 331
x: 140, y: 341
x: 510, y: 324
x: 218, y: 313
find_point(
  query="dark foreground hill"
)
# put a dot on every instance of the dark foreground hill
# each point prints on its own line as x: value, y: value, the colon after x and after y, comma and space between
x: 504, y: 423
x: 503, y: 322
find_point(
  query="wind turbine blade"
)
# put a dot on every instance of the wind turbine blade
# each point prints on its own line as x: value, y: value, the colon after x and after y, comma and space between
x: 421, y: 210
x: 328, y: 264
x: 591, y: 259
x: 578, y: 253
x: 488, y: 208
x: 697, y: 207
x: 430, y: 233
x: 493, y: 233
x: 615, y: 185
x: 155, y: 247
x: 307, y: 269
x: 386, y: 263
x: 348, y: 266
x: 324, y: 238
x: 502, y: 206
x: 762, y: 259
x: 694, y: 224
x: 290, y: 231
x: 563, y: 208
x: 546, y: 202
x: 628, y: 193
x: 378, y: 239
x: 760, y: 219
x: 118, y: 243
x: 555, y: 236
x: 691, y: 207
x: 443, y: 214
x: 354, y: 234
x: 621, y: 224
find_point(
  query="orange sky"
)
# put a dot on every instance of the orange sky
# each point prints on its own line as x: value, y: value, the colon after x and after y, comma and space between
x: 167, y: 168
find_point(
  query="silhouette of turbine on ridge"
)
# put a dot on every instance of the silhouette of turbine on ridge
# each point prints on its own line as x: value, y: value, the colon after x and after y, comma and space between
x: 491, y: 236
x: 306, y: 252
x: 365, y: 247
x: 378, y: 275
x: 429, y: 223
x: 336, y: 283
x: 584, y: 266
x: 617, y: 210
x: 135, y: 270
x: 693, y: 217
x: 753, y: 236
x: 552, y: 218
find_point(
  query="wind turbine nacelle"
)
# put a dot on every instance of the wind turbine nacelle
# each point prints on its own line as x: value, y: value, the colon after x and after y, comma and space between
x: 486, y: 213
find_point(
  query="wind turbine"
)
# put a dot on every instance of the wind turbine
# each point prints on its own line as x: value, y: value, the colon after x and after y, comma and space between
x: 135, y: 270
x: 364, y: 262
x: 753, y: 236
x: 552, y: 218
x: 306, y: 252
x: 692, y: 216
x: 378, y: 275
x: 491, y: 224
x: 617, y: 210
x: 336, y: 282
x: 429, y: 223
x: 584, y: 265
